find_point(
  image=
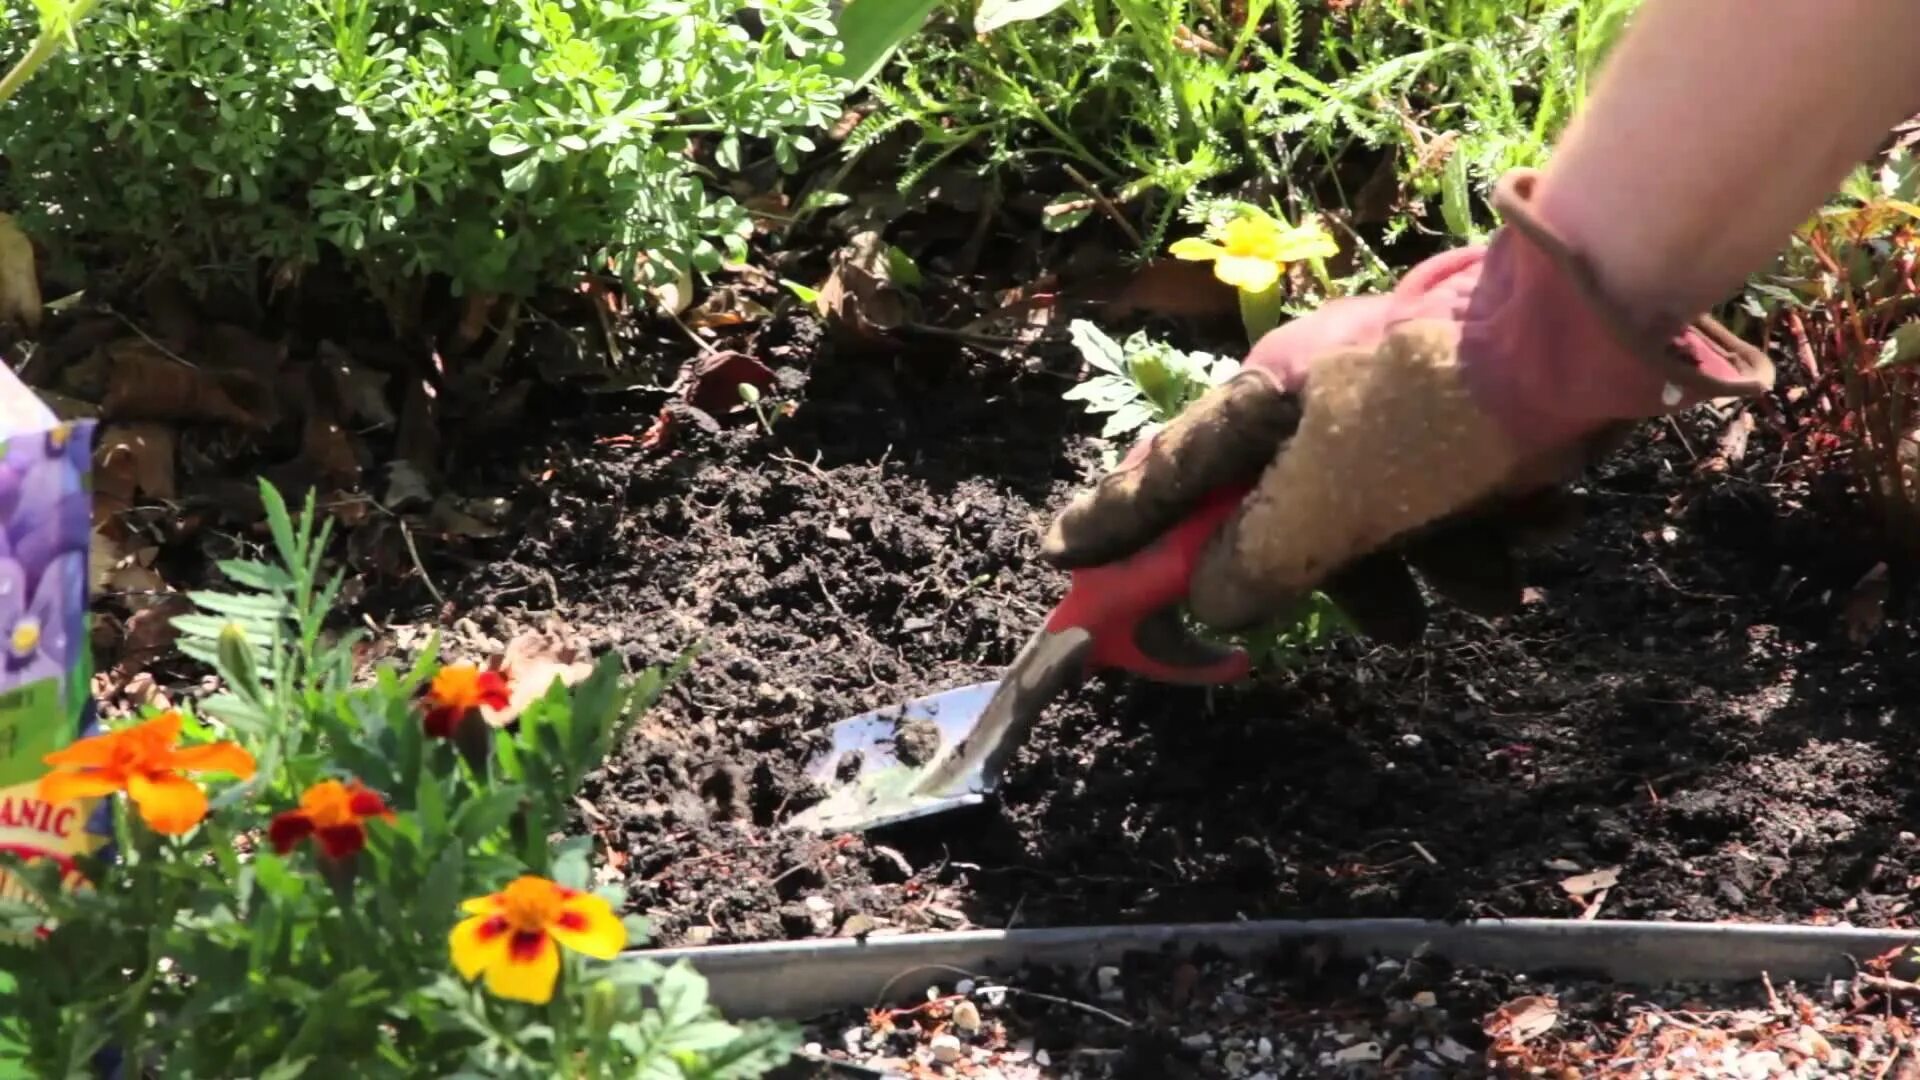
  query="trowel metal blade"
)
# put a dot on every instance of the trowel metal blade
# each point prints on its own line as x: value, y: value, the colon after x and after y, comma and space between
x: 869, y: 786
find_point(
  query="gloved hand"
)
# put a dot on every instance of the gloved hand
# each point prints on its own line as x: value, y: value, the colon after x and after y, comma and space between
x: 1431, y: 426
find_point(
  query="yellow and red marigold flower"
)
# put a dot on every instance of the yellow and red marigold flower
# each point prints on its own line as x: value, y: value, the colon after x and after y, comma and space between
x: 334, y: 814
x: 458, y: 689
x: 514, y: 936
x: 144, y: 761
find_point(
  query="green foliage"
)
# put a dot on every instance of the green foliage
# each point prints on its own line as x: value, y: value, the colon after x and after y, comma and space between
x: 1174, y: 96
x: 211, y: 955
x: 1142, y: 383
x: 871, y: 31
x: 502, y: 145
x: 1461, y: 90
x: 1111, y: 88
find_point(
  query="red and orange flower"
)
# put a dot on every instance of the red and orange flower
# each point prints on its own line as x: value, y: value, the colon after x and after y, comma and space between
x: 334, y: 815
x: 145, y: 762
x: 457, y: 690
x: 514, y: 936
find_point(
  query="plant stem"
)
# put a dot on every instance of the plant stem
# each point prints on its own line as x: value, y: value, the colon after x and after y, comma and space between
x: 1261, y: 311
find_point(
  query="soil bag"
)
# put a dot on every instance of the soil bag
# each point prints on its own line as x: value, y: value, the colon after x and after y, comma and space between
x: 46, y: 666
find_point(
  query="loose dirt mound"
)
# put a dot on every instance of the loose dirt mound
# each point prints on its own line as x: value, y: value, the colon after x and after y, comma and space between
x: 1679, y: 701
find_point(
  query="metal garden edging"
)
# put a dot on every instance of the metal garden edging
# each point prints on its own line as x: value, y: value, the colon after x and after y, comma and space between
x: 803, y: 979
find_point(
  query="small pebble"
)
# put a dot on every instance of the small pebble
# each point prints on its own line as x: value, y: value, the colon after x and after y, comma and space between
x: 966, y: 1017
x: 1042, y: 1058
x: 1106, y: 978
x: 1200, y: 1041
x: 964, y: 986
x: 1264, y: 1049
x: 1358, y: 1054
x: 946, y: 1048
x: 1425, y: 999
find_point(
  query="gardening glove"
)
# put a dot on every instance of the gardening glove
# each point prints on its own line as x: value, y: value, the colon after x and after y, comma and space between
x: 1430, y: 426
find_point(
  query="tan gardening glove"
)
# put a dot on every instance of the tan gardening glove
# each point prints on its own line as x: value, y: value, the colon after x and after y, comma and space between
x: 1432, y: 426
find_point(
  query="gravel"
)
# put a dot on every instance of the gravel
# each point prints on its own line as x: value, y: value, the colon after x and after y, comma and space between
x: 1167, y: 1017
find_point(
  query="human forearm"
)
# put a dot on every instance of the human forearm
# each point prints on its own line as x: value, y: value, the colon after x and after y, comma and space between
x: 1716, y: 128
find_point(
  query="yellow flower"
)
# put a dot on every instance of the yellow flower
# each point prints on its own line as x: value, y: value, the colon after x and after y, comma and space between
x: 514, y: 936
x: 1254, y: 247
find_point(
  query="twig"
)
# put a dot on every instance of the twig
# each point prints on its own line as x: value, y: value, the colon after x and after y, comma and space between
x: 407, y: 535
x: 1106, y: 206
x: 1593, y: 907
x: 1424, y: 853
x: 1773, y: 999
x: 1887, y: 984
x: 151, y: 340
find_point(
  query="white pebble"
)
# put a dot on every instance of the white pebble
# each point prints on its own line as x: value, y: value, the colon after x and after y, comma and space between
x: 1264, y: 1049
x: 1411, y: 740
x: 1358, y: 1053
x: 1106, y: 978
x: 964, y: 986
x: 1197, y: 1042
x: 966, y: 1017
x: 1042, y: 1058
x: 946, y: 1048
x: 853, y: 1039
x: 812, y: 1049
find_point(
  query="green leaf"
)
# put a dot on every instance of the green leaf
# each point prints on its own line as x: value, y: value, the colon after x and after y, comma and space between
x: 991, y: 15
x: 439, y: 896
x: 1902, y: 346
x: 570, y: 863
x: 481, y: 817
x: 281, y: 524
x: 1455, y: 207
x: 255, y: 575
x: 243, y: 605
x: 870, y: 31
x: 1099, y: 350
x: 1127, y: 418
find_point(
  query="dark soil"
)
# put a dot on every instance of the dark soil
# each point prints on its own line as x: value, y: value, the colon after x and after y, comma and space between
x: 1679, y: 699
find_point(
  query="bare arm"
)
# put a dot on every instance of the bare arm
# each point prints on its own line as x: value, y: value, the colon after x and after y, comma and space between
x: 1716, y: 128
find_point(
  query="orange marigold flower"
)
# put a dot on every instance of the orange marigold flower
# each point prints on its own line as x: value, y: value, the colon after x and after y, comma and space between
x: 144, y: 762
x: 514, y: 936
x: 334, y: 815
x: 456, y: 689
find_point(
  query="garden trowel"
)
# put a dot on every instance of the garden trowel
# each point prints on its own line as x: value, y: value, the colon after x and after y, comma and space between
x: 946, y: 751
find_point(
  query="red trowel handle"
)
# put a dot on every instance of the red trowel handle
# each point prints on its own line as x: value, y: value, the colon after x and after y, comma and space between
x: 1131, y: 607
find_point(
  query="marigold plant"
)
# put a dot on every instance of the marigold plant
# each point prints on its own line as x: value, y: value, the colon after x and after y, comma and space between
x: 437, y: 931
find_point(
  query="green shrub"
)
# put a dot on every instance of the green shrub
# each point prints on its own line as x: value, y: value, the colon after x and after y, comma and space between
x: 1165, y: 99
x: 499, y: 144
x: 328, y: 913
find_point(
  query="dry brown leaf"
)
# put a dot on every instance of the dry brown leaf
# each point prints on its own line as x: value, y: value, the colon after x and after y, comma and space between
x: 1175, y: 287
x: 725, y: 306
x: 20, y: 301
x: 132, y: 460
x: 448, y: 519
x: 236, y: 348
x: 532, y: 660
x: 1866, y: 604
x: 474, y: 316
x: 68, y: 408
x: 328, y: 447
x: 146, y: 384
x: 859, y: 299
x: 150, y: 634
x: 361, y: 390
x: 712, y: 382
x: 1523, y: 1019
x: 1584, y: 885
